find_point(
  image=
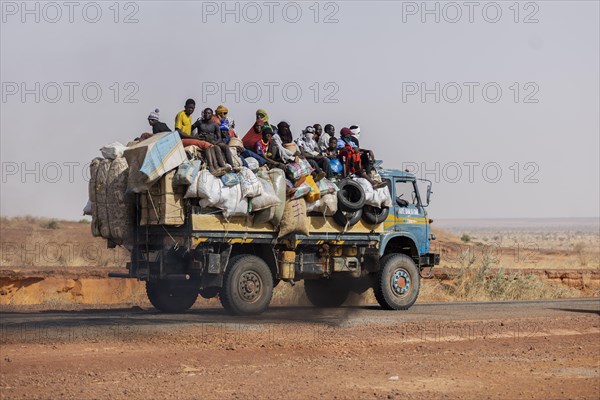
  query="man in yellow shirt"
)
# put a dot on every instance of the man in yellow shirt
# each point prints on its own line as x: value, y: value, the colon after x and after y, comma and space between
x: 183, y: 120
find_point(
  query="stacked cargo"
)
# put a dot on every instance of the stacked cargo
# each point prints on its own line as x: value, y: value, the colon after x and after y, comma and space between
x: 162, y: 178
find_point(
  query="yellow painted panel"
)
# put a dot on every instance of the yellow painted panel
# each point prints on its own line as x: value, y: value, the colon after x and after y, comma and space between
x: 216, y: 222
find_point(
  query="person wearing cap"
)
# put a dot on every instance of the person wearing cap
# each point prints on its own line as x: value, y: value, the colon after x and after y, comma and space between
x: 156, y: 124
x: 183, y: 120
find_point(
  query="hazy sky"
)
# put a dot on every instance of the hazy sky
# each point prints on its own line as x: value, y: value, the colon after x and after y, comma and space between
x: 497, y: 103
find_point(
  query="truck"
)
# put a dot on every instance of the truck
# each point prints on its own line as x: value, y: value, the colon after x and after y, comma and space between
x: 242, y: 263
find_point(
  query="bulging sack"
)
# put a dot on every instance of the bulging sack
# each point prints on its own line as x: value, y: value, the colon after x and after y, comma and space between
x: 277, y: 177
x: 326, y: 205
x: 113, y: 150
x: 381, y: 198
x: 252, y: 163
x: 232, y: 203
x: 294, y: 219
x: 251, y: 187
x: 267, y: 199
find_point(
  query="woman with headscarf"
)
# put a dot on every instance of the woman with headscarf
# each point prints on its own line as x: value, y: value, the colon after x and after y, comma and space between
x: 250, y: 139
x: 262, y: 115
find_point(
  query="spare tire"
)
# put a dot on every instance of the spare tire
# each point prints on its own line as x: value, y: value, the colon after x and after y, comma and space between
x: 347, y: 217
x: 374, y: 215
x: 351, y: 196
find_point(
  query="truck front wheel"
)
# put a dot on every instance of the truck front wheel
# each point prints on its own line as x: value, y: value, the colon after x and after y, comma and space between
x: 396, y: 285
x: 247, y: 285
x: 171, y: 296
x: 325, y: 293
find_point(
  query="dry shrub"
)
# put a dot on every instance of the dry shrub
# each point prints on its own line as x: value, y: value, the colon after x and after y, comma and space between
x: 478, y: 283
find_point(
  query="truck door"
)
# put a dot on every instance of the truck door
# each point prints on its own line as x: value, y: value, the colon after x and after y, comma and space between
x: 409, y: 214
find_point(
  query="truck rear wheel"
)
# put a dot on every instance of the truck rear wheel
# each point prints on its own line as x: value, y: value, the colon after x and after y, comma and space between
x: 171, y: 296
x: 247, y: 285
x: 396, y: 285
x: 326, y: 293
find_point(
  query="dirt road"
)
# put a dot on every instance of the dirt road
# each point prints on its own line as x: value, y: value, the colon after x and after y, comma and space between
x: 537, y: 349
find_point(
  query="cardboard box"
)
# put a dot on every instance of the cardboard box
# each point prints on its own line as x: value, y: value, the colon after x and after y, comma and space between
x: 163, y: 204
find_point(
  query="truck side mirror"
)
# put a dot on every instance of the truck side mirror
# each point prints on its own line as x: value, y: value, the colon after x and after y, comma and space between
x: 428, y: 197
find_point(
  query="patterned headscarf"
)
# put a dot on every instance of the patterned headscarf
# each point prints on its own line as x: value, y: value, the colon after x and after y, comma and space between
x: 221, y: 111
x: 263, y: 112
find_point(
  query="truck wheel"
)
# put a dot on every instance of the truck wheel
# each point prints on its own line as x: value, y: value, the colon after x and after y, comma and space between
x: 351, y: 196
x: 397, y: 283
x: 347, y: 217
x: 325, y: 293
x: 171, y: 297
x: 247, y: 285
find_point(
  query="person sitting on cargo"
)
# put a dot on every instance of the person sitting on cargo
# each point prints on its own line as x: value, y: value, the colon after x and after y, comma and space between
x: 183, y: 120
x: 156, y: 124
x: 208, y: 130
x: 351, y: 158
x: 318, y: 133
x: 221, y: 112
x: 263, y: 147
x: 332, y: 155
x: 326, y: 136
x: 310, y: 150
x: 263, y: 116
x: 367, y: 156
x: 346, y: 139
x: 284, y: 131
x: 253, y: 135
x: 249, y: 141
x: 282, y: 154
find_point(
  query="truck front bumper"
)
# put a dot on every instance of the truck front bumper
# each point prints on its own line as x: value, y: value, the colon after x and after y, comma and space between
x: 429, y: 260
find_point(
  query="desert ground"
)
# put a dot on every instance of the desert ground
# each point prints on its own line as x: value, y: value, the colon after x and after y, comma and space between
x: 511, y: 312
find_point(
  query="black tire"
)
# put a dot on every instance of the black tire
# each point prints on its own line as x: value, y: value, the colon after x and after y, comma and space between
x: 210, y: 292
x: 396, y: 285
x: 351, y: 196
x: 247, y: 285
x: 374, y: 215
x: 171, y: 296
x: 346, y: 217
x: 326, y: 293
